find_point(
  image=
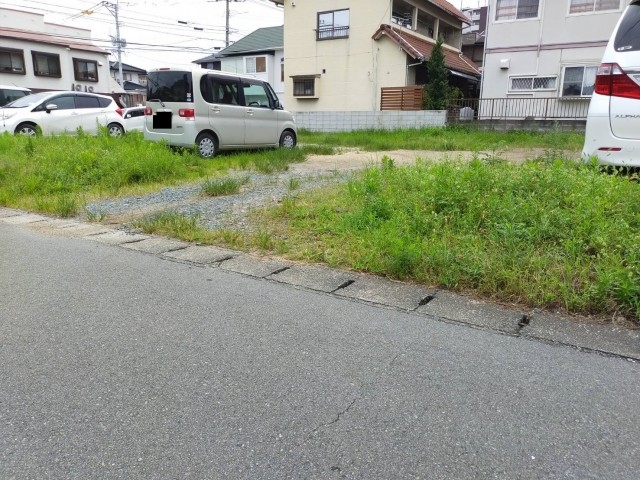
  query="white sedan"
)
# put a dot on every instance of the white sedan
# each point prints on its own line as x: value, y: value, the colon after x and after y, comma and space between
x: 61, y: 112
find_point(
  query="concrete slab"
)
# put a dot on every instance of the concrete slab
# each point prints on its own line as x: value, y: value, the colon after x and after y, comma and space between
x: 81, y: 230
x: 254, y: 266
x: 386, y: 292
x: 602, y: 337
x: 23, y: 219
x: 322, y: 279
x: 9, y: 212
x: 465, y: 310
x: 155, y: 245
x: 52, y: 223
x: 116, y: 237
x: 202, y: 254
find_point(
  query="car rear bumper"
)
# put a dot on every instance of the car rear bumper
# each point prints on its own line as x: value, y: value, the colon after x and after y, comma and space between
x: 185, y: 139
x: 599, y: 136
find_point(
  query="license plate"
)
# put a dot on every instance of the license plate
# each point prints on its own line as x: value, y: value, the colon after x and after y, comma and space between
x: 162, y: 120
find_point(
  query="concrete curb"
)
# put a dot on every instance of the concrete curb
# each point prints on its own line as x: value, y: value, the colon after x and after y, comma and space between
x: 443, y: 306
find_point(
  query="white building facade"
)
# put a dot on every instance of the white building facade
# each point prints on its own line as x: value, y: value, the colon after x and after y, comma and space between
x: 45, y: 56
x: 547, y: 48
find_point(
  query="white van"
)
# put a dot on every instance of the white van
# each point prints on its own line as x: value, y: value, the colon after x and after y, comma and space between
x: 613, y: 122
x: 215, y: 111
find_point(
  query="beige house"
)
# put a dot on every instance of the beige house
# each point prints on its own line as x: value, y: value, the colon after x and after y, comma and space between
x: 339, y: 54
x: 547, y: 49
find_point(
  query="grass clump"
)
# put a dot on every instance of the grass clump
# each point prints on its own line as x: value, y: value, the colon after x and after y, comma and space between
x: 223, y: 186
x: 546, y: 233
x: 450, y: 138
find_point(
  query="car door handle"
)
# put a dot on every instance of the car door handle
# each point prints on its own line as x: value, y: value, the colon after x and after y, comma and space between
x: 215, y: 109
x: 74, y: 113
x: 250, y: 112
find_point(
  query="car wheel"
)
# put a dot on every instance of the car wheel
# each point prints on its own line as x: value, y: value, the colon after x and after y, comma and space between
x: 115, y: 130
x: 287, y: 139
x: 26, y: 129
x: 207, y: 145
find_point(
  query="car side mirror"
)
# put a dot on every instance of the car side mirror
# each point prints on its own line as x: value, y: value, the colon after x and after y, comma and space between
x: 277, y: 105
x: 128, y: 115
x: 51, y: 106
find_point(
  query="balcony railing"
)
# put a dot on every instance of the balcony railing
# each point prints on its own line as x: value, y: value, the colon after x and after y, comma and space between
x: 329, y: 33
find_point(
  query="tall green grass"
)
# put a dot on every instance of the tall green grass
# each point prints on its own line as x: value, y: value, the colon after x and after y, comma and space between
x: 546, y: 233
x: 445, y: 139
x: 58, y: 174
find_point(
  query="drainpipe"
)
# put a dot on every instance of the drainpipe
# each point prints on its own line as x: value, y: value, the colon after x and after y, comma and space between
x: 541, y: 13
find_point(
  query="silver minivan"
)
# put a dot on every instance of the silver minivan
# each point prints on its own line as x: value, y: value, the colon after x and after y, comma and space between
x: 215, y: 111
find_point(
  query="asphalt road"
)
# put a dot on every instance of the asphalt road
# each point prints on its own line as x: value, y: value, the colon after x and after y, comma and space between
x: 119, y: 364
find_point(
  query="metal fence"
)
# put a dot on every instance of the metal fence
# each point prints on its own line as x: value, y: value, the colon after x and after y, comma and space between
x: 471, y: 109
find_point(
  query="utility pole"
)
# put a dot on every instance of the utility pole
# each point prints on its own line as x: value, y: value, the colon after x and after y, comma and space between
x: 113, y: 9
x: 226, y: 42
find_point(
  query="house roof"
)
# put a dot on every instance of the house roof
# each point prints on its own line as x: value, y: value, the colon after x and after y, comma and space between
x: 133, y: 86
x: 214, y: 57
x: 126, y: 68
x: 446, y: 6
x: 420, y: 49
x: 49, y: 38
x: 270, y: 38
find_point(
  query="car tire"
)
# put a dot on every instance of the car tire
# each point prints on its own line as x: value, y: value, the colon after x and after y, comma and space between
x: 26, y: 129
x: 288, y: 139
x: 115, y: 130
x: 207, y: 145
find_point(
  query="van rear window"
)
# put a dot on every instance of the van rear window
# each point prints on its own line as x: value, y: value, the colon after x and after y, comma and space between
x: 628, y: 36
x: 170, y: 86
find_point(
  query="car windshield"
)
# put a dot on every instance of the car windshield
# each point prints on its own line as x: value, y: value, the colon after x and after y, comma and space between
x: 27, y: 101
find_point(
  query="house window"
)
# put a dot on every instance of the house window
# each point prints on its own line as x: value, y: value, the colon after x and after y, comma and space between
x: 282, y: 70
x: 256, y: 65
x: 532, y: 83
x: 85, y: 70
x: 333, y: 24
x: 579, y: 81
x: 516, y: 9
x: 304, y: 87
x: 11, y: 61
x: 127, y: 77
x: 46, y: 64
x: 587, y: 6
x: 142, y: 79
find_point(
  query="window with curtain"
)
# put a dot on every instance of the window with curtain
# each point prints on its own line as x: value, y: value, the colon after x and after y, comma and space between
x: 46, y: 64
x: 11, y: 61
x: 579, y: 81
x: 516, y: 9
x: 85, y: 70
x: 588, y: 6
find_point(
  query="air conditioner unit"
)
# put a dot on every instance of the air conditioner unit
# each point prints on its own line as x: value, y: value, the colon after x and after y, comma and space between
x: 78, y: 88
x: 90, y: 89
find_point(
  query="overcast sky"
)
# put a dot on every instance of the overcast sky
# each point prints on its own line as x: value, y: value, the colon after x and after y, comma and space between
x: 151, y: 27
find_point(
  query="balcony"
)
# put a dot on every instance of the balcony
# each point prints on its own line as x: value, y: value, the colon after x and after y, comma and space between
x: 330, y: 33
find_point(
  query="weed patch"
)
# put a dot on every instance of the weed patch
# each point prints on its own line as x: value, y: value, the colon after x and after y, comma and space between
x: 223, y: 186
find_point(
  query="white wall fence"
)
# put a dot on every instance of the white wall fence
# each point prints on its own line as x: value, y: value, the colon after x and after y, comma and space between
x: 383, y: 120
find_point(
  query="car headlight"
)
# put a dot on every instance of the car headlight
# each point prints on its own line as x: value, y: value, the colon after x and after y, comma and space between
x: 7, y: 115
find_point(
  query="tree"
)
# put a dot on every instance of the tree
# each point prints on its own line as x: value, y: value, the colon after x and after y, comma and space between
x: 437, y: 89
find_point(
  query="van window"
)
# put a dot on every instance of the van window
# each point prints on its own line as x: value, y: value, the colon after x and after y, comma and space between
x: 219, y: 90
x: 628, y: 36
x: 255, y: 95
x: 87, y: 102
x: 168, y: 86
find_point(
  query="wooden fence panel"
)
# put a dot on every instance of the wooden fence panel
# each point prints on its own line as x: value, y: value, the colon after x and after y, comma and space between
x: 401, y: 98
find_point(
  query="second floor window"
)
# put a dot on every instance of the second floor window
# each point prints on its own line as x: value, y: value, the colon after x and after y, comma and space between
x: 85, y: 70
x: 516, y: 9
x: 587, y: 6
x: 46, y: 64
x: 11, y: 61
x: 333, y: 24
x: 256, y: 65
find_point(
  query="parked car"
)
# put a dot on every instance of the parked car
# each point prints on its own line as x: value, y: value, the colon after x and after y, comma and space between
x: 613, y: 121
x: 133, y: 119
x: 9, y: 93
x: 61, y: 112
x: 215, y: 111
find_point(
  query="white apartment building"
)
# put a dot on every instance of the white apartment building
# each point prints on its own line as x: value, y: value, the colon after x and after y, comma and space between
x: 45, y: 56
x: 547, y: 48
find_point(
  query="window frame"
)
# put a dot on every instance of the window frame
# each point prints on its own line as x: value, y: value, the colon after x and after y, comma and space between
x: 594, y: 11
x: 564, y: 72
x: 35, y: 53
x: 537, y: 17
x: 255, y: 58
x: 305, y: 79
x: 76, y: 61
x: 531, y: 90
x: 14, y: 51
x: 333, y: 28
